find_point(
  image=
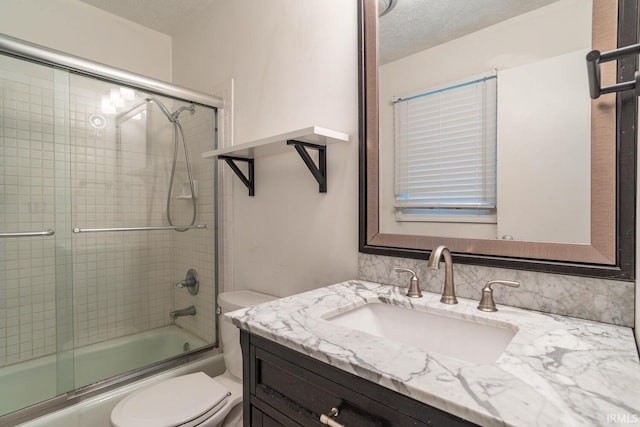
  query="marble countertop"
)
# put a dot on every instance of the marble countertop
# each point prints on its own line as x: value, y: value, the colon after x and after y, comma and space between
x: 556, y: 371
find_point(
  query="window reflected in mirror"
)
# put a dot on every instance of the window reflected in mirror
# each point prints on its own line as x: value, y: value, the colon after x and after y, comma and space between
x: 542, y: 100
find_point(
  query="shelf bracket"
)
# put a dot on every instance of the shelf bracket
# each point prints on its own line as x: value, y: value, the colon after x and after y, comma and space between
x: 319, y: 172
x: 248, y: 181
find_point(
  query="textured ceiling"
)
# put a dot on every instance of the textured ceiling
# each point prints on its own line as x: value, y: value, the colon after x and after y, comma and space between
x: 415, y: 25
x: 412, y: 26
x: 166, y: 16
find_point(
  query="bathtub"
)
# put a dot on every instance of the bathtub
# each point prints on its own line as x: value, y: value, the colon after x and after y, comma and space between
x: 103, y: 360
x: 33, y: 381
x: 96, y: 412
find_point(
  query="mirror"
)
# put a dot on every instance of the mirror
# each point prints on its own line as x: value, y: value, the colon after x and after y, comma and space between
x: 562, y: 197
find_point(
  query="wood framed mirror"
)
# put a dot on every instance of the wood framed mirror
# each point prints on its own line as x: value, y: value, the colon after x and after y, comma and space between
x: 607, y: 247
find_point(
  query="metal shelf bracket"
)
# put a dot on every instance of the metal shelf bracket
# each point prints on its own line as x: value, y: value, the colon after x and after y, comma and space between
x: 319, y: 171
x: 248, y: 181
x: 595, y: 58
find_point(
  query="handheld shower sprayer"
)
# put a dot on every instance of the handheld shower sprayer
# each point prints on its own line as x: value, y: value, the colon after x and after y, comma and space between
x: 172, y: 117
x: 178, y: 131
x: 191, y: 108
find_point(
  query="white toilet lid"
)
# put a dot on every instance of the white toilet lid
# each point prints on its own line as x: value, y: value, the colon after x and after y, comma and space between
x: 170, y: 403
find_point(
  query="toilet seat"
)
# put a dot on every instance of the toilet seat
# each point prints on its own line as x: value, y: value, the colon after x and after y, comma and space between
x: 183, y: 401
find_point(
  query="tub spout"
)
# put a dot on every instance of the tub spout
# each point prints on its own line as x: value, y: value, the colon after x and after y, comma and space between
x: 189, y: 311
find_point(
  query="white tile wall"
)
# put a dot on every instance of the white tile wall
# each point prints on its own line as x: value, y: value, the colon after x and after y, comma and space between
x: 27, y: 281
x: 194, y: 248
x: 122, y: 282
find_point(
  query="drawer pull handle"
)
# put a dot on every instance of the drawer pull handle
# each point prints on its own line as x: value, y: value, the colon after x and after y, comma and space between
x: 327, y: 419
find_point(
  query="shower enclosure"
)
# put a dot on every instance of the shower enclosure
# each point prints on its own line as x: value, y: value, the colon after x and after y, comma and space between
x: 105, y: 204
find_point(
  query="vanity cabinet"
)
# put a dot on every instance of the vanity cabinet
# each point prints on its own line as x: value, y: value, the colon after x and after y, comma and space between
x: 284, y: 387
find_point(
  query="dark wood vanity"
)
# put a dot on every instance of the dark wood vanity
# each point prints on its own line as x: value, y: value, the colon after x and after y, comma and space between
x: 284, y: 387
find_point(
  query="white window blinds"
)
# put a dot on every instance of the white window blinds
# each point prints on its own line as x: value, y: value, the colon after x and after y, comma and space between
x: 445, y: 148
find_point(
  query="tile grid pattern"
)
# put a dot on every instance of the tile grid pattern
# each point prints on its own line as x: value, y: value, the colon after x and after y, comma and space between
x: 27, y: 290
x: 122, y: 282
x: 195, y: 248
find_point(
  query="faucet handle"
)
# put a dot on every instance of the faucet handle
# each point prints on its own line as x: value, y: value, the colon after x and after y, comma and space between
x: 487, y: 302
x: 414, y: 283
x: 191, y: 282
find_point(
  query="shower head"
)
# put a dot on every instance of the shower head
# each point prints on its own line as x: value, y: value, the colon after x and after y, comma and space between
x: 172, y: 117
x: 191, y: 108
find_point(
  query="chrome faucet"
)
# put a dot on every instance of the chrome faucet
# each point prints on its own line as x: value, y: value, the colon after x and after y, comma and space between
x: 189, y: 311
x: 449, y: 293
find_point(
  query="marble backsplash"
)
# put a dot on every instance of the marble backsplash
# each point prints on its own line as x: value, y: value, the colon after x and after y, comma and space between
x: 608, y: 301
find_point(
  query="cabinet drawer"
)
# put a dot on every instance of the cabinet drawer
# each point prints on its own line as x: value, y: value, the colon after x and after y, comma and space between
x: 281, y: 383
x: 263, y: 415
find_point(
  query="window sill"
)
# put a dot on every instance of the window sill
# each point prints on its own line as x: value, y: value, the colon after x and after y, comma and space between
x: 461, y: 218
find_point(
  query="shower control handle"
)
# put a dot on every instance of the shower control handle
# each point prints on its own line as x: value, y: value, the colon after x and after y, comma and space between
x: 191, y: 282
x: 186, y: 283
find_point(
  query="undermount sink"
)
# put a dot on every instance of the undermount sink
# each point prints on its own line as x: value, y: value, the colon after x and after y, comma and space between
x: 462, y: 339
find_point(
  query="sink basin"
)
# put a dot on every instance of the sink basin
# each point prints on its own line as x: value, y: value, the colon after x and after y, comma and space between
x: 462, y: 339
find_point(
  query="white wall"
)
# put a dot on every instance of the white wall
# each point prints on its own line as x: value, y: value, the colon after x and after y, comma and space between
x: 294, y: 64
x: 82, y: 30
x: 516, y: 43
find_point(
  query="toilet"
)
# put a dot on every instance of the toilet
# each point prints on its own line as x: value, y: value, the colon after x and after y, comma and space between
x: 195, y: 399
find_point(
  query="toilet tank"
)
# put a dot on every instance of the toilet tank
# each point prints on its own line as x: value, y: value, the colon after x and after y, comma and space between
x: 229, y: 333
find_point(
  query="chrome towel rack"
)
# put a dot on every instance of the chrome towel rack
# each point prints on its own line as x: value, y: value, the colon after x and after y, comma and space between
x: 113, y: 229
x: 28, y: 233
x: 595, y: 58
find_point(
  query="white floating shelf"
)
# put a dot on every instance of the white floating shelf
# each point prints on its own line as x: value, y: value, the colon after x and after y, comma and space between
x: 278, y: 143
x: 311, y: 138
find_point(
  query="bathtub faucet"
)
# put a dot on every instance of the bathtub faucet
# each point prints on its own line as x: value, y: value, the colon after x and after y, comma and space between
x: 189, y: 311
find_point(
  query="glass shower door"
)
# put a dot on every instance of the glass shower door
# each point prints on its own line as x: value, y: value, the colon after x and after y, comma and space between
x: 36, y: 332
x: 100, y: 216
x: 129, y: 185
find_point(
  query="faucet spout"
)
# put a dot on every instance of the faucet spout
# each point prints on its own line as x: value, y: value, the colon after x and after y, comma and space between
x: 189, y: 311
x: 449, y: 293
